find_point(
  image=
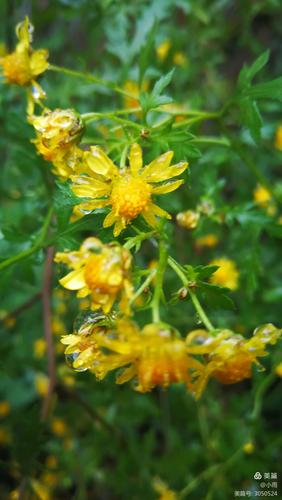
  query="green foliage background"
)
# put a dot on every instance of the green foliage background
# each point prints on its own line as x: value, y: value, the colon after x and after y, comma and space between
x: 117, y: 440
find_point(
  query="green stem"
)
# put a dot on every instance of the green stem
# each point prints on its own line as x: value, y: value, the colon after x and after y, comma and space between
x: 261, y: 390
x: 198, y: 118
x: 163, y: 258
x: 222, y: 141
x: 91, y: 78
x: 123, y: 157
x: 196, y: 303
x: 213, y: 470
x: 88, y: 117
x: 144, y: 285
x: 38, y: 244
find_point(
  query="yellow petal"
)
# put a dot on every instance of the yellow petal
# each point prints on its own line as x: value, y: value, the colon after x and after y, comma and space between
x: 126, y: 375
x: 167, y: 188
x: 24, y: 32
x: 70, y: 339
x: 160, y: 212
x: 156, y: 167
x: 110, y: 219
x: 83, y: 292
x: 74, y: 280
x: 90, y: 188
x: 119, y: 226
x: 100, y: 163
x: 135, y: 158
x: 38, y: 62
x: 88, y: 207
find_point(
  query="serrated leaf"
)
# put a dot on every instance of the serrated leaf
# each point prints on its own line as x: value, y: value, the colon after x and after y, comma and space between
x: 216, y: 296
x: 162, y: 83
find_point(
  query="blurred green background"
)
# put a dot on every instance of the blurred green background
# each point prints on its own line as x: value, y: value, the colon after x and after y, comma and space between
x: 104, y: 441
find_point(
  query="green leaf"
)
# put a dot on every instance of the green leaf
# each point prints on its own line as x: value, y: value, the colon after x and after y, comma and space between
x: 247, y: 73
x: 251, y: 117
x: 155, y: 99
x: 215, y: 296
x: 267, y: 90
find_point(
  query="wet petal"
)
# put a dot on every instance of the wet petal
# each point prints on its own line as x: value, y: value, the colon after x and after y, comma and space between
x: 100, y: 163
x: 167, y: 188
x: 74, y: 280
x: 135, y: 158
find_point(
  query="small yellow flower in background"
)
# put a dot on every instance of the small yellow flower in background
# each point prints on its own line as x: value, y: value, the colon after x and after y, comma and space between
x: 249, y: 448
x: 49, y: 479
x: 278, y: 370
x: 179, y: 59
x: 39, y: 348
x: 4, y: 436
x: 102, y: 270
x: 128, y: 191
x: 230, y: 356
x: 133, y: 88
x: 9, y: 321
x: 278, y: 138
x: 4, y: 408
x: 165, y: 493
x: 41, y: 491
x: 59, y: 427
x: 227, y: 275
x: 188, y: 219
x: 24, y: 65
x: 58, y: 327
x: 208, y: 241
x: 57, y: 133
x: 51, y: 462
x: 263, y: 199
x: 41, y: 383
x: 153, y: 356
x: 163, y: 49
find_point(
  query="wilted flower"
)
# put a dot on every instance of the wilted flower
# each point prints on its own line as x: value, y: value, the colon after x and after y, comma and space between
x: 57, y: 133
x: 154, y: 356
x: 100, y: 270
x: 128, y: 191
x: 188, y: 219
x: 229, y: 356
x: 227, y: 275
x: 24, y: 65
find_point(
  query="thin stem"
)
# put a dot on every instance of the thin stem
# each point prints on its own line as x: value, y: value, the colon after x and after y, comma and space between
x: 163, y: 258
x: 198, y: 118
x: 260, y: 393
x: 196, y: 303
x: 39, y: 243
x: 222, y: 141
x: 209, y: 472
x: 91, y: 78
x: 123, y: 156
x: 89, y: 117
x: 47, y: 322
x: 144, y: 285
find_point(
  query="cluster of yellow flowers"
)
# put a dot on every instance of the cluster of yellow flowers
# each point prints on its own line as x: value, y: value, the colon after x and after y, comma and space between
x: 155, y: 355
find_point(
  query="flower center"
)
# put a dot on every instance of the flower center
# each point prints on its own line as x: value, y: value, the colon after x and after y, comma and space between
x: 103, y: 273
x: 16, y: 68
x: 130, y: 196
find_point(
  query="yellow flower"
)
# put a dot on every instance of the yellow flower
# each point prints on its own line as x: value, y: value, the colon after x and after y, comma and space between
x: 278, y: 370
x: 4, y: 436
x: 128, y: 191
x: 229, y: 356
x: 58, y: 327
x: 41, y: 382
x: 82, y: 351
x: 163, y: 49
x: 100, y: 270
x: 248, y: 448
x: 153, y: 356
x: 209, y: 241
x: 58, y: 426
x: 162, y: 489
x: 39, y: 348
x: 278, y: 138
x: 188, y: 219
x: 133, y: 88
x: 179, y: 59
x: 227, y: 275
x: 57, y: 133
x: 263, y: 199
x: 4, y: 408
x: 24, y: 65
